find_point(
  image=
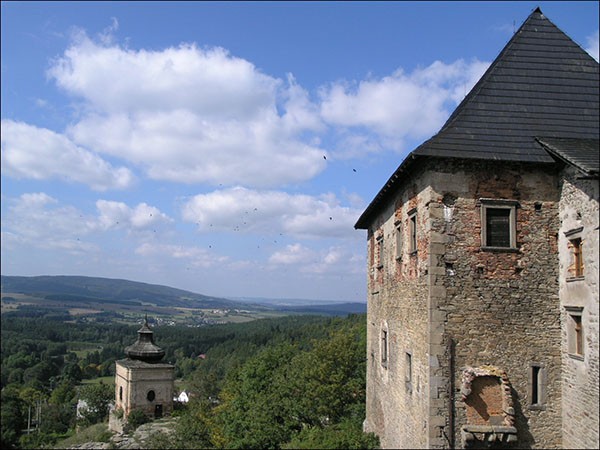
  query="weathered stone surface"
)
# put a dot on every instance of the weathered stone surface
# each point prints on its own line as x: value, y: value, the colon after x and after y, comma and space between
x: 451, y: 304
x: 579, y: 210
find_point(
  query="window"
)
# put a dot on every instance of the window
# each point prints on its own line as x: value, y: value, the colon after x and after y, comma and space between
x: 151, y: 396
x: 384, y: 348
x: 408, y: 376
x: 399, y: 241
x: 412, y: 227
x: 498, y: 224
x: 380, y: 252
x: 120, y: 392
x: 536, y: 386
x: 576, y: 269
x: 536, y: 372
x: 575, y: 338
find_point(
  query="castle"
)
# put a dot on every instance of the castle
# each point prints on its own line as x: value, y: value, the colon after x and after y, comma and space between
x: 483, y: 263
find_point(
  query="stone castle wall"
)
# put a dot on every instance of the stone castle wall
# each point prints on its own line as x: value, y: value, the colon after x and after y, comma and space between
x: 397, y: 287
x: 500, y: 308
x: 455, y: 306
x: 579, y: 210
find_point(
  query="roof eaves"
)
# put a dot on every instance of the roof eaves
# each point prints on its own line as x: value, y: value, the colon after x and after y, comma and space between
x: 385, y: 192
x: 557, y: 155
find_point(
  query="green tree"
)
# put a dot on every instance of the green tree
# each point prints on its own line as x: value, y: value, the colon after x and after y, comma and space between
x: 252, y: 415
x: 347, y: 434
x: 98, y: 398
x: 12, y: 418
x: 72, y: 372
x: 32, y: 398
x: 64, y: 393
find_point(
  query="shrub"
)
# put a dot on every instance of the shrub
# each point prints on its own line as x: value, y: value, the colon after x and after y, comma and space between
x: 135, y: 419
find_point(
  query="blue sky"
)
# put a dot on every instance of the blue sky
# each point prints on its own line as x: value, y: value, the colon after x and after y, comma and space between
x: 227, y: 148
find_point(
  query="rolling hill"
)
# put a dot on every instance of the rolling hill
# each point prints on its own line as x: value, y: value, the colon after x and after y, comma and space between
x: 73, y: 290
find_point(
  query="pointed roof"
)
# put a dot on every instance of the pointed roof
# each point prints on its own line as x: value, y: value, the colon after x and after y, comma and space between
x: 144, y: 348
x: 541, y: 84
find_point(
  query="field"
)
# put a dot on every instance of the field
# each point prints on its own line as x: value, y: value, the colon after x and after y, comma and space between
x: 87, y: 310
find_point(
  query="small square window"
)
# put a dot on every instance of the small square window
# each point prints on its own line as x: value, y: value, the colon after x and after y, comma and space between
x: 498, y: 224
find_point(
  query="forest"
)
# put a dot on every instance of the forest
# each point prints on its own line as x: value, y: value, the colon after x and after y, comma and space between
x: 290, y: 382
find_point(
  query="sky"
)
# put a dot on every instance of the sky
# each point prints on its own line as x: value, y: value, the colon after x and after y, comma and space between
x: 227, y: 148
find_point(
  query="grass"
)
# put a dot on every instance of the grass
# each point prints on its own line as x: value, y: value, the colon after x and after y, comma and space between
x: 95, y: 433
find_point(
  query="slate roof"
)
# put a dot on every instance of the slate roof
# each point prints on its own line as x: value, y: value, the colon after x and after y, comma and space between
x: 581, y: 153
x: 541, y: 84
x: 144, y: 349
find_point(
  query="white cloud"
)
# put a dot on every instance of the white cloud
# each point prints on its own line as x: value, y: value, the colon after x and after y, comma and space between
x: 39, y: 153
x: 195, y: 256
x: 333, y: 260
x: 119, y: 215
x: 292, y: 254
x: 592, y: 46
x: 38, y: 220
x: 401, y: 105
x: 190, y: 115
x: 248, y: 210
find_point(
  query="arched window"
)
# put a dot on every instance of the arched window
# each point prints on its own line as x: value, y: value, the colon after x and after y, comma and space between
x: 151, y: 396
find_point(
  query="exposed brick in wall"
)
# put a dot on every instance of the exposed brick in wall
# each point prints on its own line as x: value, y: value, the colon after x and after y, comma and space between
x: 501, y: 307
x: 455, y: 305
x: 397, y: 408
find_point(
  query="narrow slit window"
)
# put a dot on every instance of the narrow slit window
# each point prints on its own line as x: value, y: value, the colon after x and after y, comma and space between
x: 399, y: 241
x: 412, y: 222
x: 380, y: 252
x: 577, y: 335
x: 408, y: 373
x: 535, y: 384
x: 384, y: 347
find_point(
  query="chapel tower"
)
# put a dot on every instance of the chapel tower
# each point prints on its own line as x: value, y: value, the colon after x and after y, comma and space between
x: 142, y: 382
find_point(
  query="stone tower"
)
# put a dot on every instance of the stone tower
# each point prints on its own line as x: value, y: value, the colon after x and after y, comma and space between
x: 142, y: 382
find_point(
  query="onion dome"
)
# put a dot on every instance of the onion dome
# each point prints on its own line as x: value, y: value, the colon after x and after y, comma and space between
x: 144, y: 348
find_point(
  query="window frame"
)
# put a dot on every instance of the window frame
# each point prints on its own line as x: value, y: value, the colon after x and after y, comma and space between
x: 537, y: 386
x: 399, y: 240
x: 575, y: 332
x: 510, y: 205
x: 576, y: 268
x: 385, y: 354
x: 412, y: 229
x: 380, y: 254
